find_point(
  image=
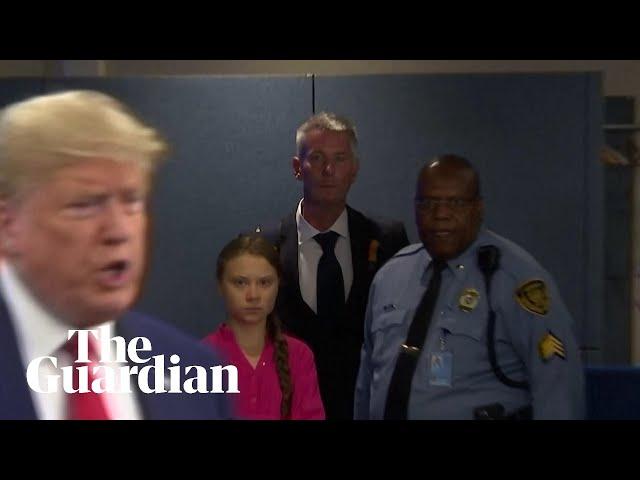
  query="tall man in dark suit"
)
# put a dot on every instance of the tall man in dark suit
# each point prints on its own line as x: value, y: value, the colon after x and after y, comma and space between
x: 75, y: 172
x: 330, y: 253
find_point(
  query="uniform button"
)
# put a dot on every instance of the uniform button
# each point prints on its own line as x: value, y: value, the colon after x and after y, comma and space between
x: 264, y: 363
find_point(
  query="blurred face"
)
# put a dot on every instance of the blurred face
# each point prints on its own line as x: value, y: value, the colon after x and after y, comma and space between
x: 327, y: 167
x: 448, y: 214
x: 249, y: 286
x: 77, y: 240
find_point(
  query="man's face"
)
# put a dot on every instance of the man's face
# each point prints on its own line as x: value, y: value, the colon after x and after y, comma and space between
x: 77, y: 240
x: 327, y: 167
x: 448, y: 214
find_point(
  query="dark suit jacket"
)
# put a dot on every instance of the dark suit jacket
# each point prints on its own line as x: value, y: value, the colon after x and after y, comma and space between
x: 336, y: 347
x: 15, y: 395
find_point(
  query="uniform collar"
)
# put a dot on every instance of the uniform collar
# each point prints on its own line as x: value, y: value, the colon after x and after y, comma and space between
x: 467, y: 259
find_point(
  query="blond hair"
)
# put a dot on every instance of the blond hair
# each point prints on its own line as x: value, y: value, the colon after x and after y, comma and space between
x: 40, y: 135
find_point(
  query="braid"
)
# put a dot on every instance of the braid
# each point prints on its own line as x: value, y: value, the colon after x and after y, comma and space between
x: 281, y: 357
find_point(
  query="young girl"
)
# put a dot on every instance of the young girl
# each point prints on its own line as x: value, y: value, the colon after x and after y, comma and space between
x: 276, y: 373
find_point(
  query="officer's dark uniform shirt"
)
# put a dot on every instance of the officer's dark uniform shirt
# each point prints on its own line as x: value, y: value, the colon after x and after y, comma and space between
x: 534, y: 337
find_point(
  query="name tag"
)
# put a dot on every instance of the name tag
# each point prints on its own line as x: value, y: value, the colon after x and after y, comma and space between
x: 440, y: 368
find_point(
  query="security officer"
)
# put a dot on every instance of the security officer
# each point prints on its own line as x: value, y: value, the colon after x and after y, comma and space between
x: 436, y: 348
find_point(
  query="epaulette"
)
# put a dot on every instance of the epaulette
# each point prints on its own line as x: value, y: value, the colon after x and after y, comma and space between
x: 408, y: 251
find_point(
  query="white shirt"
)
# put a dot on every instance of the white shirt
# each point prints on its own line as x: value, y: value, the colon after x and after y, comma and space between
x: 310, y: 251
x: 41, y: 334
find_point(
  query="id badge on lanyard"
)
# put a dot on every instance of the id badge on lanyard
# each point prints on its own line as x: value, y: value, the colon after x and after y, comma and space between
x: 441, y: 366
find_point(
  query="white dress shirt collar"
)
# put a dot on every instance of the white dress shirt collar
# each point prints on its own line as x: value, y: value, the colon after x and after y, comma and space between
x: 306, y: 231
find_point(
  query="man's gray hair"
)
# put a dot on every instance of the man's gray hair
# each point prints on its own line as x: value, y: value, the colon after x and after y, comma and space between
x: 330, y: 122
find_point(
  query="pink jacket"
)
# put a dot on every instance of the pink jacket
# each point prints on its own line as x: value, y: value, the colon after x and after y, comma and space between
x: 260, y: 395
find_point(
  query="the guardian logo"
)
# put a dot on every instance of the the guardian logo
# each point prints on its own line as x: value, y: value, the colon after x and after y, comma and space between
x: 114, y: 375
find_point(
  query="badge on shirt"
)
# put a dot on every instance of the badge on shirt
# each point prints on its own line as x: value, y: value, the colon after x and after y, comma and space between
x: 440, y: 368
x: 534, y: 297
x: 468, y: 299
x: 549, y: 346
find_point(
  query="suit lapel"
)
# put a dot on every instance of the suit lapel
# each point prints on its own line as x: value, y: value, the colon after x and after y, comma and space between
x: 289, y: 259
x: 359, y: 233
x: 15, y: 396
x: 360, y: 237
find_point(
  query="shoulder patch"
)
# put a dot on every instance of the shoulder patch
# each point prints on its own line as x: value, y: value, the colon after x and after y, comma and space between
x: 534, y: 297
x: 549, y: 346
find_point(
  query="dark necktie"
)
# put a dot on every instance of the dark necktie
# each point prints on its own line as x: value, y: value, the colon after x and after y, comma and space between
x: 329, y: 282
x: 397, y: 404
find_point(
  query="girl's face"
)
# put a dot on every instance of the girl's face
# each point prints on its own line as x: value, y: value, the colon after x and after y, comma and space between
x: 249, y: 286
